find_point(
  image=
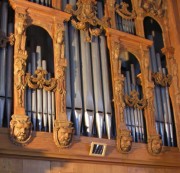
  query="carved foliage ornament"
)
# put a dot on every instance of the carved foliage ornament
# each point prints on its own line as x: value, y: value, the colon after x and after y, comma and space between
x: 4, y: 40
x: 38, y: 81
x: 84, y: 18
x: 132, y: 100
x: 154, y: 145
x: 63, y: 133
x: 124, y: 141
x: 20, y: 129
x: 162, y: 79
x: 155, y: 7
x: 123, y: 11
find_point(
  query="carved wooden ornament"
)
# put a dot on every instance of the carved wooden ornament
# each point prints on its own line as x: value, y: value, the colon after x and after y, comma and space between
x: 84, y: 18
x: 154, y: 144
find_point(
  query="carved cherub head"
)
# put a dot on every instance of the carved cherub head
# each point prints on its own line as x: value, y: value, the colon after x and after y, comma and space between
x: 63, y: 133
x: 154, y: 145
x: 124, y: 141
x: 20, y: 129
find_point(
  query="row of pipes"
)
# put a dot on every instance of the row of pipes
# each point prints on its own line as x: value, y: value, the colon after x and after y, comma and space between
x: 88, y: 87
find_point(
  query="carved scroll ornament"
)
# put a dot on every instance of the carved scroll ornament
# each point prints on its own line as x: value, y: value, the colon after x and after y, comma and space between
x: 162, y: 79
x: 84, y: 18
x: 124, y: 141
x: 38, y: 81
x: 20, y: 129
x: 63, y: 133
x: 155, y: 7
x: 4, y: 39
x: 123, y: 11
x: 154, y: 145
x: 133, y: 101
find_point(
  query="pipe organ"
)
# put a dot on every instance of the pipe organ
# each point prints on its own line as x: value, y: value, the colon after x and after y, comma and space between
x: 92, y: 69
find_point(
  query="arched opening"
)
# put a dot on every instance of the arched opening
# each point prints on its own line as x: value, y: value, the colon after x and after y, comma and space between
x: 40, y: 105
x: 133, y: 114
x: 162, y: 103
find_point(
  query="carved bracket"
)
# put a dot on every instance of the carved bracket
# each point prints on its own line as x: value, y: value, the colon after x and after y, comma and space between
x: 133, y: 101
x: 63, y: 133
x: 154, y: 144
x: 162, y: 79
x: 155, y: 7
x: 4, y: 40
x: 124, y: 141
x: 123, y: 11
x: 20, y: 129
x: 38, y: 80
x: 84, y: 18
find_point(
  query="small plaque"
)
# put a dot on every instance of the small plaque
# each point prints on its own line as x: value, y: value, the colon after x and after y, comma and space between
x: 97, y: 149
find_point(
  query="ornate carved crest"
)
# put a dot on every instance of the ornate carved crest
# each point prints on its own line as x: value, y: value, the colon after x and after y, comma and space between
x: 84, y: 18
x: 123, y: 11
x: 124, y: 141
x: 155, y: 7
x: 162, y: 79
x: 4, y: 40
x: 132, y: 100
x: 38, y: 80
x: 63, y: 133
x: 20, y: 129
x: 154, y: 145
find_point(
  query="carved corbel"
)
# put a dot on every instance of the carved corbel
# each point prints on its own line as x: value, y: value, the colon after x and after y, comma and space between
x: 154, y: 144
x: 154, y: 7
x: 20, y: 129
x: 63, y: 133
x: 124, y: 141
x: 84, y: 18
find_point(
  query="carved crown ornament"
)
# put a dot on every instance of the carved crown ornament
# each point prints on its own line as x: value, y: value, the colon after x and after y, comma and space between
x: 4, y: 39
x: 155, y: 7
x: 123, y: 11
x: 84, y: 18
x: 132, y: 100
x: 162, y: 79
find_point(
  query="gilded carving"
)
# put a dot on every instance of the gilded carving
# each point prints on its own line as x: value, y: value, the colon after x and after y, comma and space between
x: 63, y: 133
x: 154, y: 145
x: 20, y: 129
x: 155, y: 7
x: 118, y: 96
x: 19, y: 72
x: 132, y: 100
x: 162, y: 79
x: 84, y: 18
x: 38, y: 81
x: 123, y: 11
x: 124, y: 141
x: 20, y: 27
x: 4, y: 40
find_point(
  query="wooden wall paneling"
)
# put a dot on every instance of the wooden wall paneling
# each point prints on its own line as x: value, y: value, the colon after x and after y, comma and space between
x: 8, y: 165
x: 36, y: 166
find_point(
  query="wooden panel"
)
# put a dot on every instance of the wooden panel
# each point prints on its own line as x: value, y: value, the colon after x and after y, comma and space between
x: 36, y: 166
x: 11, y: 165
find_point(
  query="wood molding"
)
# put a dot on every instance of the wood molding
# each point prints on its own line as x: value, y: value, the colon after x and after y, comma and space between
x: 43, y: 147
